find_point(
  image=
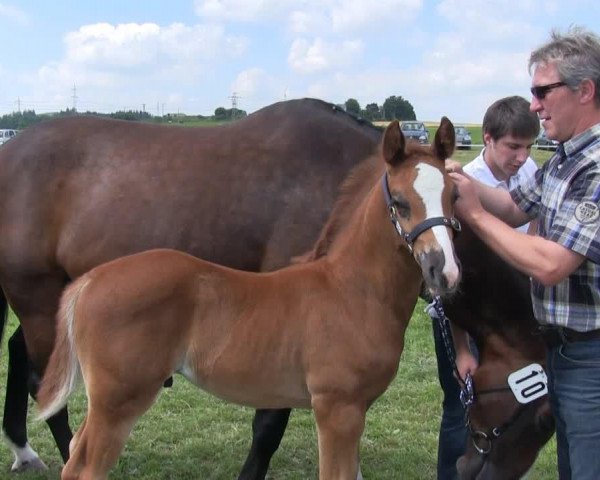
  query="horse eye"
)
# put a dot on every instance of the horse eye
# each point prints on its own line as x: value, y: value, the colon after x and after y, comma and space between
x: 403, y: 207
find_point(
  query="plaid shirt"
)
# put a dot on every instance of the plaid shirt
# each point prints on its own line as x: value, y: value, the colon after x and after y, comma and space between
x: 565, y: 195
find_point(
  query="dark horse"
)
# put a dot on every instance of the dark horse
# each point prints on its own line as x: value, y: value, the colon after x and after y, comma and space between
x: 77, y: 192
x: 494, y: 306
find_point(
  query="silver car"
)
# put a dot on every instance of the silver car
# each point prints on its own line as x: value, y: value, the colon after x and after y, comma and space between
x: 6, y: 134
x: 463, y: 138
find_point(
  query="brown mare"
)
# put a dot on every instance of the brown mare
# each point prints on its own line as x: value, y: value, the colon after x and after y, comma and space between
x: 77, y: 192
x: 325, y: 335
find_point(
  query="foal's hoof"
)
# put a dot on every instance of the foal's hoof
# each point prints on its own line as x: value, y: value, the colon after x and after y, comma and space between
x: 31, y: 465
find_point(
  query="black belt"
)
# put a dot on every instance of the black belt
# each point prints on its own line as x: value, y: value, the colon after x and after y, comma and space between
x: 554, y: 335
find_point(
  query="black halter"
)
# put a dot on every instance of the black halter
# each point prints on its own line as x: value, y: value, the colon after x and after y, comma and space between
x: 410, y: 237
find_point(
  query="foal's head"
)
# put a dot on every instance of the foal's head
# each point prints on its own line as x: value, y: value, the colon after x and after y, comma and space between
x: 420, y: 198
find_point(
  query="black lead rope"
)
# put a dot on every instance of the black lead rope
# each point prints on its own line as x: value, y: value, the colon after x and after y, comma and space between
x: 467, y: 395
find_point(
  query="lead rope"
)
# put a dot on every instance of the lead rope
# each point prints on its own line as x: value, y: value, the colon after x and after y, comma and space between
x: 467, y: 396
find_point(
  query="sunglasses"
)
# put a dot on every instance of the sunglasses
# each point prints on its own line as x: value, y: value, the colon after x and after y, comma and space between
x: 541, y: 91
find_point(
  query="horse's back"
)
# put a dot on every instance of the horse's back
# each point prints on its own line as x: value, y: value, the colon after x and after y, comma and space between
x: 80, y: 191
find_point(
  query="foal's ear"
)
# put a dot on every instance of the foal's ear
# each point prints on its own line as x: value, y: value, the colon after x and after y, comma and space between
x: 445, y: 140
x: 393, y: 143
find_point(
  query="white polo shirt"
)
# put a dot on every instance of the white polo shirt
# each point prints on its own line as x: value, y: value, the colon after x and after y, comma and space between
x: 479, y: 170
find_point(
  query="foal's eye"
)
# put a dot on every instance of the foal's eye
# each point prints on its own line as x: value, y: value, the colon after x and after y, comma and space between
x: 403, y: 207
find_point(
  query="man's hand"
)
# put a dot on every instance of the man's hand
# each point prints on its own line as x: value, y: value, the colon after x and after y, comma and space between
x: 466, y: 363
x: 467, y: 206
x: 452, y: 166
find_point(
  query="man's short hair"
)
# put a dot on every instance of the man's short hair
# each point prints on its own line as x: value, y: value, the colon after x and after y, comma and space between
x: 510, y: 116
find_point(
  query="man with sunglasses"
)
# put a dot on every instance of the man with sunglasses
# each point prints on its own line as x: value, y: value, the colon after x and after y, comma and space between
x: 563, y: 260
x: 509, y: 130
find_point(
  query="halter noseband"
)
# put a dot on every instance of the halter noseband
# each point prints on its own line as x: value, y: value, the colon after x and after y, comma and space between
x: 410, y: 237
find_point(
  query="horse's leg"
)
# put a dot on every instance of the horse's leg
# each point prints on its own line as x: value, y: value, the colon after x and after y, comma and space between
x: 112, y: 412
x: 268, y: 427
x: 340, y: 424
x: 14, y: 422
x: 29, y: 349
x: 58, y: 424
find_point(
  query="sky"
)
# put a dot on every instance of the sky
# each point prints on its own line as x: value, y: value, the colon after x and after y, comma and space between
x: 446, y: 57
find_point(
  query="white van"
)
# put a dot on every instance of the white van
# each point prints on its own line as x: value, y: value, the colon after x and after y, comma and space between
x: 6, y: 134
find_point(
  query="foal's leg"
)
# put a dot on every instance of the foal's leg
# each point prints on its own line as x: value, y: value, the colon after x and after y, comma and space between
x: 268, y: 427
x: 97, y: 445
x: 340, y: 424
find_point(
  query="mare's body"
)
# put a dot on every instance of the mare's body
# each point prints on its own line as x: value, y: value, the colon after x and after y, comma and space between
x: 325, y: 334
x: 77, y: 192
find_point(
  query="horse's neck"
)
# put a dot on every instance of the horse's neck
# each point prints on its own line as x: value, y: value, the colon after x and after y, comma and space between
x: 515, y: 349
x: 370, y: 256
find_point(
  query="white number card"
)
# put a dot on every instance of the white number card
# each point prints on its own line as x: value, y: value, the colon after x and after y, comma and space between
x: 528, y: 383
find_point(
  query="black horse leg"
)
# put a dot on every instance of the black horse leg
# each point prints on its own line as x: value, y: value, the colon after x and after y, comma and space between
x: 59, y: 423
x: 14, y: 422
x: 268, y: 427
x: 20, y: 383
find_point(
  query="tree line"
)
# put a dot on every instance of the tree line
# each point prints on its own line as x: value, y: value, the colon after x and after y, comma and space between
x: 393, y: 108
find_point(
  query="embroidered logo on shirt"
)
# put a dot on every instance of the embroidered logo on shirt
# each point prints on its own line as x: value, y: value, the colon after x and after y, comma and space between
x: 587, y: 212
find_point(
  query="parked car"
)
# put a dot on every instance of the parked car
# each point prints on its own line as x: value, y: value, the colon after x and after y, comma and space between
x: 463, y: 138
x: 415, y: 131
x: 543, y: 142
x: 6, y: 134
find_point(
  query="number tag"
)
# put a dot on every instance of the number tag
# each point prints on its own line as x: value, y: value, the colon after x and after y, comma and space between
x: 528, y: 383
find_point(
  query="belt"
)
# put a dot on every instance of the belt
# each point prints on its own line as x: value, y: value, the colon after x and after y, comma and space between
x: 554, y: 335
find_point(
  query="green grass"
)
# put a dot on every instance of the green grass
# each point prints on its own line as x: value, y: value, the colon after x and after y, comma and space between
x: 189, y: 435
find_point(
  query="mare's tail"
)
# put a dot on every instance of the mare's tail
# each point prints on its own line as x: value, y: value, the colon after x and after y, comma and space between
x: 63, y: 371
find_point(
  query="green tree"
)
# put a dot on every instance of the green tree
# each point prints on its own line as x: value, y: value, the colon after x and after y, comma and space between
x: 398, y: 108
x: 352, y: 106
x: 372, y: 112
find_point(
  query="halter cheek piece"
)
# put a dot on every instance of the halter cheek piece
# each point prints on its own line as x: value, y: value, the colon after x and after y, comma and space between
x: 410, y: 237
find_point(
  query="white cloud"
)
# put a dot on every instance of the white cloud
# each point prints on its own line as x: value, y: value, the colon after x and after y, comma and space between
x: 104, y: 56
x: 14, y: 14
x: 318, y: 56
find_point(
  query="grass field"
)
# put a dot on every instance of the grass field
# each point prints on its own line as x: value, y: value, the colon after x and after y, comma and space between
x: 190, y: 435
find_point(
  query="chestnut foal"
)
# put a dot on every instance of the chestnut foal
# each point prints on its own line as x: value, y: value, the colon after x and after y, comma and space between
x: 325, y: 335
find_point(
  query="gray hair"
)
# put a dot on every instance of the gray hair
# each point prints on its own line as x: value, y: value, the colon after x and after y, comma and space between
x: 576, y: 55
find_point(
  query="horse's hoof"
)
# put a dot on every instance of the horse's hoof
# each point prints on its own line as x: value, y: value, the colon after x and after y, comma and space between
x: 31, y: 465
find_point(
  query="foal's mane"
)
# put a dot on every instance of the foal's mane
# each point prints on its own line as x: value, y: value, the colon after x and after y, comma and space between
x: 352, y: 192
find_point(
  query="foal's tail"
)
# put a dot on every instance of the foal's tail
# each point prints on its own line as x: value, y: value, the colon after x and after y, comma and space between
x: 63, y: 370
